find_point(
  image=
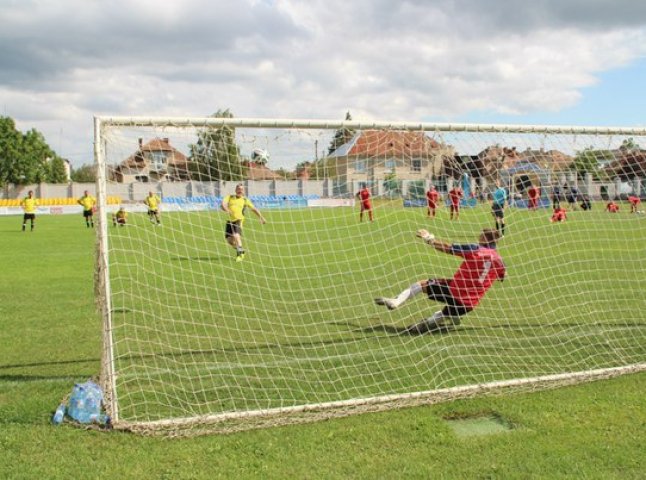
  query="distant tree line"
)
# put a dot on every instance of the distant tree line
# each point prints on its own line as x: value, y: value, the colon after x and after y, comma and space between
x: 26, y: 158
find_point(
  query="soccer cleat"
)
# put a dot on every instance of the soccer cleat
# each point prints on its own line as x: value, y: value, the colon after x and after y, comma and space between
x: 388, y: 302
x: 240, y: 257
x: 429, y: 325
x: 418, y: 328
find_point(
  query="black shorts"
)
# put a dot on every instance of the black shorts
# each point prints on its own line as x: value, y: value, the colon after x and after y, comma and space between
x: 440, y: 291
x: 232, y: 228
x: 153, y: 212
x: 29, y: 216
x: 498, y: 211
x: 88, y: 213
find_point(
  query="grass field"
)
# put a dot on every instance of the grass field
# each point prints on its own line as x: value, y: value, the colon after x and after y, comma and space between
x: 572, y: 298
x: 196, y: 333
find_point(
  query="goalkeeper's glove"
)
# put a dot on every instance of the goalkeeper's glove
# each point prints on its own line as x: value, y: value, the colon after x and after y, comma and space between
x: 426, y: 236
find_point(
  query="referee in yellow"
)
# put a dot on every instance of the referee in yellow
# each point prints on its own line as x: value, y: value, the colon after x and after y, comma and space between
x: 29, y: 204
x: 88, y: 202
x: 235, y: 206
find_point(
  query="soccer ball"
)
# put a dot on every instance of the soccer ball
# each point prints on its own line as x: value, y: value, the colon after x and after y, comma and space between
x: 259, y: 155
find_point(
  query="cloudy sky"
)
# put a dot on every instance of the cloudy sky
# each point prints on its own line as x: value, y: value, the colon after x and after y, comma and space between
x: 578, y: 62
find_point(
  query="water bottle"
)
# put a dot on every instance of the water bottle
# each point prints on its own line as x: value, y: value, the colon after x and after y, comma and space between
x: 76, y: 403
x: 85, y: 402
x: 100, y: 419
x: 59, y: 415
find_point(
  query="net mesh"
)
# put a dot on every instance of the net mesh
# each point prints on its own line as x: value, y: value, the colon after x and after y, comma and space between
x: 198, y: 342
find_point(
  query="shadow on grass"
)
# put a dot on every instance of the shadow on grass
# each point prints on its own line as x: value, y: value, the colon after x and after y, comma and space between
x: 45, y: 364
x: 346, y: 339
x: 206, y: 258
x: 393, y: 330
x: 186, y: 353
x: 39, y: 378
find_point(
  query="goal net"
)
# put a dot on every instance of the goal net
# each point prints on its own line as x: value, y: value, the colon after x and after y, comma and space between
x: 198, y: 340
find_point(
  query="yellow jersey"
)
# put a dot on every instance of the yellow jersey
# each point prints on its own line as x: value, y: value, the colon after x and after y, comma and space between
x: 29, y: 205
x: 88, y: 202
x: 152, y: 202
x: 236, y: 207
x: 121, y: 215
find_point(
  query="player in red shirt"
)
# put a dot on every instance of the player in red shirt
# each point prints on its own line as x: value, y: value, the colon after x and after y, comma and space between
x: 559, y: 215
x: 634, y: 201
x: 612, y: 207
x: 366, y: 205
x: 455, y: 194
x: 432, y: 197
x: 482, y: 265
x: 533, y: 194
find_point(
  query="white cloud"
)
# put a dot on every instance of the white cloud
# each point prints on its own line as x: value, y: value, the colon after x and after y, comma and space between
x: 412, y: 60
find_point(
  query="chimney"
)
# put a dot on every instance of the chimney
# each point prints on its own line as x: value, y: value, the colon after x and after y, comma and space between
x: 165, y: 140
x: 141, y: 142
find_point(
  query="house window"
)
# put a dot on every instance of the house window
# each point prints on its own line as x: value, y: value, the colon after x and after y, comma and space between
x: 416, y: 165
x: 390, y: 165
x: 360, y: 166
x: 158, y: 160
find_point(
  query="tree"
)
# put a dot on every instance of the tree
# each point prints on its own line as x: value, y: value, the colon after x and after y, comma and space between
x: 216, y: 156
x: 589, y: 161
x: 391, y: 185
x: 10, y: 151
x: 57, y: 172
x: 342, y: 136
x: 36, y: 154
x: 84, y: 174
x: 630, y: 145
x: 319, y: 169
x: 285, y: 174
x: 23, y: 158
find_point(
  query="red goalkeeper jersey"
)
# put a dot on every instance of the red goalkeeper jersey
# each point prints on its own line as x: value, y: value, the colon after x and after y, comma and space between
x: 481, y: 267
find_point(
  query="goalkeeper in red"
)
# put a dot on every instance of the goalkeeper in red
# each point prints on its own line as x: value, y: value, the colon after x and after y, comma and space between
x: 480, y: 268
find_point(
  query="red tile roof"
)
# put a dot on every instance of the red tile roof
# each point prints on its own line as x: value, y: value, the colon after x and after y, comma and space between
x: 372, y: 143
x: 136, y: 160
x: 261, y: 172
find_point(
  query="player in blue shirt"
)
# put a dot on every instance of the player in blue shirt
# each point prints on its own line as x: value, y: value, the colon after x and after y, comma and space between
x: 498, y: 208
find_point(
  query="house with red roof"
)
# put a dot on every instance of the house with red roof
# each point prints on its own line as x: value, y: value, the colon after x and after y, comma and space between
x: 376, y: 154
x: 258, y: 171
x: 154, y: 161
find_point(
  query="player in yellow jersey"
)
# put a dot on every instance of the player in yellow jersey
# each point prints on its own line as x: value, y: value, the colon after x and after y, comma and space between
x: 120, y: 217
x: 88, y: 202
x: 235, y: 206
x: 29, y: 204
x: 152, y: 201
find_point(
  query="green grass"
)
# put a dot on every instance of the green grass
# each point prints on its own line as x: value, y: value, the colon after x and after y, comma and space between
x: 196, y: 333
x: 50, y: 338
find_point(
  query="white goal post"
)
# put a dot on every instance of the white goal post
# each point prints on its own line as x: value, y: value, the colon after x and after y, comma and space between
x: 198, y: 340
